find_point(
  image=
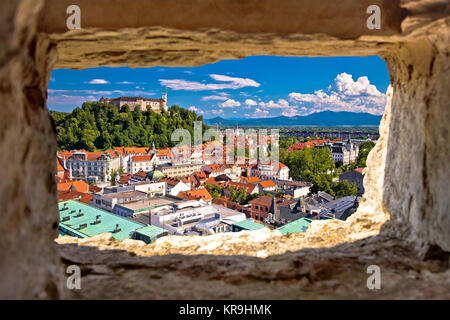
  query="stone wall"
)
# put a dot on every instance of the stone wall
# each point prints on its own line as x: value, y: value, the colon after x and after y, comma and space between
x: 29, y: 264
x: 408, y: 171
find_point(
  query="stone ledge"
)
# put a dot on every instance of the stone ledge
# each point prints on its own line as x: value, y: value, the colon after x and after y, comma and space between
x: 320, y: 273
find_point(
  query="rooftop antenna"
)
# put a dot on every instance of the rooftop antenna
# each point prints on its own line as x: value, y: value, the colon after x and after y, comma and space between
x: 117, y: 229
x: 97, y: 219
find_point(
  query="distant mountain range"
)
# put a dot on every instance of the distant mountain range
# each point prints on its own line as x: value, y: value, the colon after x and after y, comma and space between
x: 322, y: 119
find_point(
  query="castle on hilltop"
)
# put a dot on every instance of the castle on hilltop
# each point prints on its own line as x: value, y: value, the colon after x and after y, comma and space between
x: 157, y: 105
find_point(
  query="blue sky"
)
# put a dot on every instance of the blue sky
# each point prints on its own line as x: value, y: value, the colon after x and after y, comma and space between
x: 254, y: 87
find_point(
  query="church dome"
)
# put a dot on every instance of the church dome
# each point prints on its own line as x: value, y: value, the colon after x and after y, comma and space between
x: 156, y: 175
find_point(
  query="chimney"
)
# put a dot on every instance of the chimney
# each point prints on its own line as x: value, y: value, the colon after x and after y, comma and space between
x: 150, y: 217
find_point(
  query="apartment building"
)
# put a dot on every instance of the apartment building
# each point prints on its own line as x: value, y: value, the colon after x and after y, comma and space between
x: 178, y: 170
x: 92, y: 166
x: 345, y: 152
x: 270, y: 171
x: 108, y: 201
x: 141, y: 163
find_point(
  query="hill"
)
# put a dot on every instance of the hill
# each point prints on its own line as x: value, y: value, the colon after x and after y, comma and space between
x: 323, y: 119
x: 99, y: 126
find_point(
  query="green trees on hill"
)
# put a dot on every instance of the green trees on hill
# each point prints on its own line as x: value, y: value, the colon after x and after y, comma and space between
x: 98, y: 126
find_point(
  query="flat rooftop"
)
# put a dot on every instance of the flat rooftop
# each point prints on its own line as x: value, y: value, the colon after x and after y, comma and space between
x: 249, y: 225
x: 108, y: 221
x: 226, y: 212
x: 146, y: 204
x: 125, y: 194
x: 151, y: 231
x: 299, y: 225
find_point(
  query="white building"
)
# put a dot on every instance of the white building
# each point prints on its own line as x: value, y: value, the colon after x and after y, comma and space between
x: 93, y: 166
x: 175, y: 187
x: 153, y: 188
x: 195, y: 216
x: 345, y: 152
x: 157, y: 105
x: 274, y: 170
x: 141, y: 163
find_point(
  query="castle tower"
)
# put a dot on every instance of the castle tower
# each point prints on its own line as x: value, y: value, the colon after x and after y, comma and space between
x: 164, y: 105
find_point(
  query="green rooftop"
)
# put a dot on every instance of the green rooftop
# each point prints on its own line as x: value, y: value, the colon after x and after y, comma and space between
x: 83, y: 226
x: 150, y: 233
x: 248, y: 225
x: 300, y: 225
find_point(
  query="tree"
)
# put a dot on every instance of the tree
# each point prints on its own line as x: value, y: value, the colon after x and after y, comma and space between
x: 102, y: 126
x: 364, y: 150
x: 343, y: 188
x: 215, y: 191
x: 113, y: 177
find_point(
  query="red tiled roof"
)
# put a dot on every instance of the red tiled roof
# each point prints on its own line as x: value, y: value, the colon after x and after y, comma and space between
x: 250, y: 179
x: 132, y: 150
x: 86, y: 198
x: 79, y: 186
x: 140, y: 174
x: 200, y: 174
x: 124, y: 178
x: 164, y: 153
x: 142, y: 158
x: 212, y: 181
x: 195, y: 194
x: 267, y: 183
x: 360, y: 170
x: 90, y: 156
x: 95, y: 189
x: 59, y: 165
x: 66, y: 154
x: 262, y: 201
x: 248, y: 188
x: 170, y: 181
x: 69, y: 195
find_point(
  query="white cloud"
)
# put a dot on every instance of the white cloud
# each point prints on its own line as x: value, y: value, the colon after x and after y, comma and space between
x: 216, y: 111
x: 237, y: 82
x: 281, y: 104
x: 98, y: 81
x: 228, y: 83
x: 290, y: 112
x: 125, y: 82
x: 344, y: 94
x: 250, y: 102
x: 260, y: 113
x: 230, y: 103
x: 214, y: 97
x: 195, y: 109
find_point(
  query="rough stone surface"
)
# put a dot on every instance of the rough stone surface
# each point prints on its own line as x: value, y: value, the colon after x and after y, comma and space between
x: 405, y: 210
x: 28, y: 216
x: 231, y: 270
